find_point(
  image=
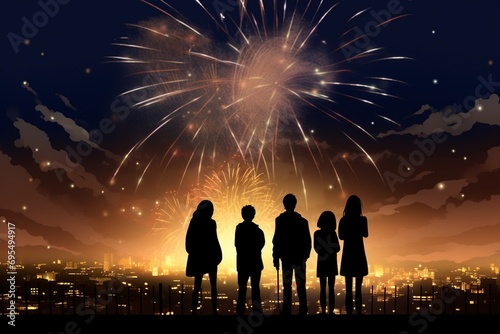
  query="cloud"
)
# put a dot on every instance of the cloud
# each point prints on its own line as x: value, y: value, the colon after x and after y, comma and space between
x: 23, y: 238
x: 451, y: 211
x: 21, y: 190
x: 363, y: 157
x: 434, y: 198
x: 424, y: 109
x: 463, y: 246
x: 454, y: 220
x: 56, y: 160
x: 66, y: 102
x: 491, y: 163
x: 421, y: 176
x: 451, y: 120
x: 76, y: 133
x: 50, y: 220
x: 438, y: 223
x: 451, y: 251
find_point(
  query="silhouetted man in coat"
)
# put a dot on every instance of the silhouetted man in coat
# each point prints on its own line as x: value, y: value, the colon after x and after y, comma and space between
x: 292, y: 244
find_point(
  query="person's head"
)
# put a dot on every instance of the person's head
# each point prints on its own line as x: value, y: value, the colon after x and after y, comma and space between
x: 353, y: 206
x: 205, y: 209
x: 289, y: 202
x: 248, y: 213
x: 327, y: 220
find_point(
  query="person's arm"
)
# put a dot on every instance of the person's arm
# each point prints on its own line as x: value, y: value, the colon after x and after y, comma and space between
x: 308, y: 239
x: 236, y: 238
x: 342, y: 232
x: 189, y: 239
x: 316, y: 244
x: 262, y: 239
x: 364, y: 227
x: 276, y: 245
x: 218, y: 247
x: 335, y: 242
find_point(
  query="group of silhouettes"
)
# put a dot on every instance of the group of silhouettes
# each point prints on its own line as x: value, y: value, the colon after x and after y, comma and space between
x: 292, y: 245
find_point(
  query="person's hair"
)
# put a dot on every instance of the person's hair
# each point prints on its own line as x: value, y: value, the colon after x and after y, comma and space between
x: 327, y: 220
x: 248, y: 212
x: 205, y: 209
x: 289, y: 201
x: 353, y: 206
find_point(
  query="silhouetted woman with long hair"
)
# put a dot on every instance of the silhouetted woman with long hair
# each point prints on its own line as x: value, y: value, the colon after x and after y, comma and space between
x: 204, y: 251
x: 353, y: 227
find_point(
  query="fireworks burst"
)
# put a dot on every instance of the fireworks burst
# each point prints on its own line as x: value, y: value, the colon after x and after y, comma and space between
x: 229, y: 188
x: 245, y: 86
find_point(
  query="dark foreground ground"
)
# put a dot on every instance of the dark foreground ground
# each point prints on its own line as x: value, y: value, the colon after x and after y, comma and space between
x: 72, y: 324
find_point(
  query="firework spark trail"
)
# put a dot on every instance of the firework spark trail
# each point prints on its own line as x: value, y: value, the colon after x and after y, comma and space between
x: 344, y: 158
x: 171, y: 222
x: 245, y: 93
x: 337, y: 176
x: 367, y: 155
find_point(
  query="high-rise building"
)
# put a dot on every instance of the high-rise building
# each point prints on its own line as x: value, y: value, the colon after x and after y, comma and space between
x: 108, y: 262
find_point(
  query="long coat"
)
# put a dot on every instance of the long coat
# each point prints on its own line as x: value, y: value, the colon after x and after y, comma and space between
x: 203, y: 247
x: 352, y: 229
x: 292, y: 240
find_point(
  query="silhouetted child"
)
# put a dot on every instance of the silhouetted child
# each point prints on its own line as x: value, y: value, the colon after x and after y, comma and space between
x: 353, y: 227
x: 249, y: 240
x: 326, y: 245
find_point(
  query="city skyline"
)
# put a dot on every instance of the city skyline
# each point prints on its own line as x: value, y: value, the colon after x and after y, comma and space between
x: 405, y: 115
x: 385, y: 290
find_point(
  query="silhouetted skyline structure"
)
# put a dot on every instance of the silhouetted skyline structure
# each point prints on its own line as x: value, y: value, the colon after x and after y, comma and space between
x: 84, y: 296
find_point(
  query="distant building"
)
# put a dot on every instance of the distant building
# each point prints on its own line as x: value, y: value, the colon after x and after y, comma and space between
x: 108, y: 262
x: 49, y: 276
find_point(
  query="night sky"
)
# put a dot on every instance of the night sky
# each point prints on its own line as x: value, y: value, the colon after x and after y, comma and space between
x: 407, y: 118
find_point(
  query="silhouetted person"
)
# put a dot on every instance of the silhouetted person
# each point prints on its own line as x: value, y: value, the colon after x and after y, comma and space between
x: 353, y: 227
x: 292, y: 244
x: 204, y: 251
x: 249, y: 240
x: 326, y: 244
